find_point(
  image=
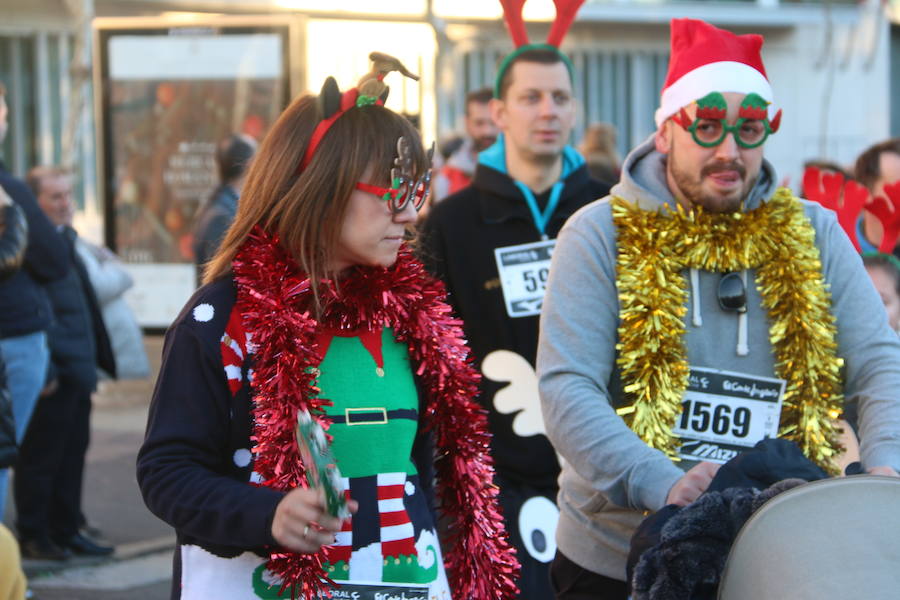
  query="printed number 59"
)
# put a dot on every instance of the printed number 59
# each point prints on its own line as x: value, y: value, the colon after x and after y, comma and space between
x: 535, y: 279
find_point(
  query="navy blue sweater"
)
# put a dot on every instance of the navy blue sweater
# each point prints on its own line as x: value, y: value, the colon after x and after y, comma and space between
x: 24, y: 305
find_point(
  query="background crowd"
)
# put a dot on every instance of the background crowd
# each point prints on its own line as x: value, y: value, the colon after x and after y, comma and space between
x: 64, y: 325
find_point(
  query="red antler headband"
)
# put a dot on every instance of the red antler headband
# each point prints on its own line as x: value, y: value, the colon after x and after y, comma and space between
x: 512, y: 15
x: 565, y: 16
x: 847, y: 199
x: 370, y: 90
x: 887, y: 209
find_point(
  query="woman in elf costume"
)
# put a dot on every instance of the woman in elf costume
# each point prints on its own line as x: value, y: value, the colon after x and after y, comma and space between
x: 314, y: 306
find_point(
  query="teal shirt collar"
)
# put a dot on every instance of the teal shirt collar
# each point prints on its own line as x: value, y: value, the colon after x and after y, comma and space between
x: 495, y: 158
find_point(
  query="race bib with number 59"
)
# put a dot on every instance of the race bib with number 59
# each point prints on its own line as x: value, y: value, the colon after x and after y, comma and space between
x: 523, y: 273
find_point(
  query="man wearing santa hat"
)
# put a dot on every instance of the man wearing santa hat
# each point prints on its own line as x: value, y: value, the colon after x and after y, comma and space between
x: 696, y: 311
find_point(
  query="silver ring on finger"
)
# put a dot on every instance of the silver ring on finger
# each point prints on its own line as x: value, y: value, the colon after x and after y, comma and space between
x: 306, y: 530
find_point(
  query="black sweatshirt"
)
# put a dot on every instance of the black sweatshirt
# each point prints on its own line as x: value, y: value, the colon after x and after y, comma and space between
x: 457, y: 245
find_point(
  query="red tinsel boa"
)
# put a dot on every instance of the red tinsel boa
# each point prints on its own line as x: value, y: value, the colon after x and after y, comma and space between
x: 273, y: 297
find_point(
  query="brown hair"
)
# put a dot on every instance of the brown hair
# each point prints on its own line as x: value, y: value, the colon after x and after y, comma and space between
x: 36, y: 176
x: 868, y: 169
x: 544, y: 56
x: 479, y: 96
x: 306, y: 211
x: 233, y: 156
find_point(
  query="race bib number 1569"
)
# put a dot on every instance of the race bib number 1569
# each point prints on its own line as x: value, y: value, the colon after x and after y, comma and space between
x: 726, y: 413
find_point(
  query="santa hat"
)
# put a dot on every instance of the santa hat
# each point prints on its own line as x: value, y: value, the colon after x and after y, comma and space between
x: 707, y: 59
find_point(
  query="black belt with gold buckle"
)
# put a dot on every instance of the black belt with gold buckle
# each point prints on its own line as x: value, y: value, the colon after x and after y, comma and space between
x: 372, y: 416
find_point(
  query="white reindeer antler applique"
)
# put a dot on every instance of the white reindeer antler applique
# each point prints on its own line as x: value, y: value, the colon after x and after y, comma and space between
x: 520, y: 396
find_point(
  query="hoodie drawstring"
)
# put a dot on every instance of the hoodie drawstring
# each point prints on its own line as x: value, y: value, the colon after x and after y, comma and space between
x: 743, y: 348
x: 695, y: 297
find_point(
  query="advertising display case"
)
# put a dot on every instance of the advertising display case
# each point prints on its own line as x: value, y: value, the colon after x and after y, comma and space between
x: 167, y: 92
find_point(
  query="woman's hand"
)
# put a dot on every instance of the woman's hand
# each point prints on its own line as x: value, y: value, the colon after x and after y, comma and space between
x: 301, y: 523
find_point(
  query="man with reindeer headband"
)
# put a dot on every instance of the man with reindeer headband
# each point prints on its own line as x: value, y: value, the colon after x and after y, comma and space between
x: 491, y: 244
x: 696, y: 311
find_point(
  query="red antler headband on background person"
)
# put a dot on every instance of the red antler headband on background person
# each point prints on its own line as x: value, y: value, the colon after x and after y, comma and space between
x: 887, y: 209
x: 370, y: 90
x: 565, y: 16
x: 848, y: 198
x: 512, y: 15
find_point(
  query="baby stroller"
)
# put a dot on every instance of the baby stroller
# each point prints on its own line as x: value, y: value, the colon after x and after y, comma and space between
x: 827, y: 540
x: 763, y: 531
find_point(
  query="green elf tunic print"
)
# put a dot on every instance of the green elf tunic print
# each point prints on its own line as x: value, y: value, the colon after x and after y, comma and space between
x: 392, y: 538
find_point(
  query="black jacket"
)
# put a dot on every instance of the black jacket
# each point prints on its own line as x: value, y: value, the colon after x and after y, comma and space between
x: 24, y: 306
x: 13, y: 240
x: 77, y: 337
x: 457, y: 245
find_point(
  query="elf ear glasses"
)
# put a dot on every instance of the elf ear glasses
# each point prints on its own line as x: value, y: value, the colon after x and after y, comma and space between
x: 710, y: 126
x: 748, y: 133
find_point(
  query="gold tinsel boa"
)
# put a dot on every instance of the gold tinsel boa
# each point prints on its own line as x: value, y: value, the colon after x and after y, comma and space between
x: 777, y: 240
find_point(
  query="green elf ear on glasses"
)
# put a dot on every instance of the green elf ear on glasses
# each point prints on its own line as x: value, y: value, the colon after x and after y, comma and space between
x: 710, y: 127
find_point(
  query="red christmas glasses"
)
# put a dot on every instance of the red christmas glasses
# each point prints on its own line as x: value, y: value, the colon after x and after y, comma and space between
x: 405, y: 187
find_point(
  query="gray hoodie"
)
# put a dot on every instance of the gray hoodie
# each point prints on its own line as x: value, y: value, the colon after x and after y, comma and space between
x: 610, y: 478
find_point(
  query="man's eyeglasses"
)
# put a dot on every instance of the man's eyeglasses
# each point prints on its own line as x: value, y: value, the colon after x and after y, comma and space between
x: 748, y: 133
x: 710, y: 126
x: 732, y: 293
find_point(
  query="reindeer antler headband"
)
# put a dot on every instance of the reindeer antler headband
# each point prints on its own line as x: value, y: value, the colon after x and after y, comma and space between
x: 848, y: 199
x: 371, y: 89
x: 512, y: 14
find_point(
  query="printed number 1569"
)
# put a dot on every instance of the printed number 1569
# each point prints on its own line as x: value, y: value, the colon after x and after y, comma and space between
x: 700, y: 417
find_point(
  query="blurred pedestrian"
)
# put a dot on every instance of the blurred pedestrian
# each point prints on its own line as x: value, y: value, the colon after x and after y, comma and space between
x: 50, y: 469
x: 25, y: 311
x: 313, y: 309
x: 110, y: 281
x: 491, y: 244
x: 233, y: 156
x: 598, y: 147
x: 481, y: 133
x: 13, y: 240
x: 877, y: 166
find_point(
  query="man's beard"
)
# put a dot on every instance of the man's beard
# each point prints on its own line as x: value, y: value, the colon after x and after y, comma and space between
x: 483, y: 143
x: 692, y: 191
